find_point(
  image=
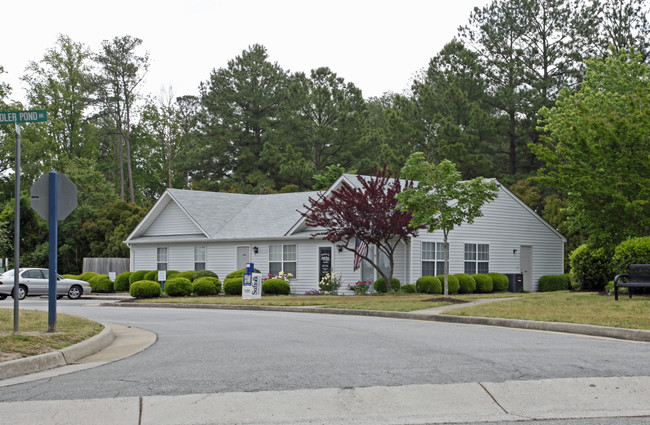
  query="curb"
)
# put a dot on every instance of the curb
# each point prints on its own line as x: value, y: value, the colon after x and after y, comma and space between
x: 63, y: 357
x: 572, y: 328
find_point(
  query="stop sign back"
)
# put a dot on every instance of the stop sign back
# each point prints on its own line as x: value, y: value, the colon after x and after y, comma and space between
x: 67, y: 196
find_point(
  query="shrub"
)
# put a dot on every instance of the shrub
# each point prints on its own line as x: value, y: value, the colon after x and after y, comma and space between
x: 101, y: 283
x: 556, y: 282
x: 178, y: 287
x: 145, y: 289
x: 172, y: 273
x: 275, y: 287
x: 189, y: 275
x: 380, y: 285
x: 70, y: 276
x: 484, y: 283
x: 151, y: 275
x: 137, y: 276
x: 238, y: 273
x: 330, y: 283
x: 206, y: 286
x: 361, y: 287
x: 232, y: 286
x: 87, y: 276
x: 466, y: 283
x: 121, y: 283
x: 203, y: 273
x: 453, y: 283
x: 590, y: 268
x: 499, y: 282
x: 408, y: 289
x: 632, y: 251
x: 428, y: 285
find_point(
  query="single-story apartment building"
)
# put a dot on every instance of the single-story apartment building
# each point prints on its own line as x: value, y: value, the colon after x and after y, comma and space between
x: 195, y: 230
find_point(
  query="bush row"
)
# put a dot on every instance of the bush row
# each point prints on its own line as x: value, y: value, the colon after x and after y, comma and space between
x: 176, y: 287
x: 593, y: 268
x: 463, y: 283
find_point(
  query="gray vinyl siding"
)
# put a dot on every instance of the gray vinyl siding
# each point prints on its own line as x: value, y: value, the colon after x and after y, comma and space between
x: 172, y: 221
x: 506, y: 225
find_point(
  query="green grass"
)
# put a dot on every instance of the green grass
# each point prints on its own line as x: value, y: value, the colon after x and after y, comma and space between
x: 569, y: 307
x: 33, y: 337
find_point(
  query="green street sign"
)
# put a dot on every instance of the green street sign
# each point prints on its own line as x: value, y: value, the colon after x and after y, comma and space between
x: 23, y: 116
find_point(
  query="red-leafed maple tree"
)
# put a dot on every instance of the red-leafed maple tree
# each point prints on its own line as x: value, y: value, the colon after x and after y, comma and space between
x: 365, y: 211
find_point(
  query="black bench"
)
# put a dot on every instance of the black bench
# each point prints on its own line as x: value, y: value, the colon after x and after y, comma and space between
x: 638, y: 276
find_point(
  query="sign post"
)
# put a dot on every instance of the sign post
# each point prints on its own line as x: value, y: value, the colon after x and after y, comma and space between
x: 251, y: 284
x: 53, y: 197
x: 17, y: 117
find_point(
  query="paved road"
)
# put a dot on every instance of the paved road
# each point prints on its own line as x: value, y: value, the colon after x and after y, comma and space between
x: 218, y: 351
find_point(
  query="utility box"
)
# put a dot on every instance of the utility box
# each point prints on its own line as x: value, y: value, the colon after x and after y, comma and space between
x: 515, y: 282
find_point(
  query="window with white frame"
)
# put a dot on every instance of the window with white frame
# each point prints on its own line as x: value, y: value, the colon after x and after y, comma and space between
x: 161, y: 259
x: 433, y: 258
x: 368, y: 272
x: 199, y: 258
x: 477, y: 258
x: 282, y: 258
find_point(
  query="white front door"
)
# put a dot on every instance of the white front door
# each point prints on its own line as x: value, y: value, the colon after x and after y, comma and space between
x: 526, y: 265
x: 243, y: 256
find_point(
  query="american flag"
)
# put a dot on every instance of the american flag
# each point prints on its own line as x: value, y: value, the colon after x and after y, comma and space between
x: 360, y: 248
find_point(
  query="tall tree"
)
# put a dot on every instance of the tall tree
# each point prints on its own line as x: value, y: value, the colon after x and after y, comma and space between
x: 187, y: 114
x: 240, y: 104
x: 365, y: 211
x: 447, y: 116
x: 441, y: 201
x: 121, y: 72
x: 597, y: 147
x: 61, y: 83
x: 320, y: 125
x: 621, y: 25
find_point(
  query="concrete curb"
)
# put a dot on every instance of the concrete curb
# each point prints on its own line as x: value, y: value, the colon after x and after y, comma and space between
x: 63, y: 357
x: 572, y: 328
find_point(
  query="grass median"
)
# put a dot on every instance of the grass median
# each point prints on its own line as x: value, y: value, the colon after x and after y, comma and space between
x: 33, y: 337
x: 569, y: 307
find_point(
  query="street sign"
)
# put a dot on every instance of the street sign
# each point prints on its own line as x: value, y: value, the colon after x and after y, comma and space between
x: 23, y: 116
x: 67, y: 196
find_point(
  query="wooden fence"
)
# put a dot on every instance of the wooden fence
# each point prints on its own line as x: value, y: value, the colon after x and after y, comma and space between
x: 106, y: 265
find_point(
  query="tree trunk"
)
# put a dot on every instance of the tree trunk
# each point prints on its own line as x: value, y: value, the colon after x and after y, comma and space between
x: 446, y: 283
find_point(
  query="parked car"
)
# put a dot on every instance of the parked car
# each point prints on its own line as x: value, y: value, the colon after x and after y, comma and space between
x: 34, y: 282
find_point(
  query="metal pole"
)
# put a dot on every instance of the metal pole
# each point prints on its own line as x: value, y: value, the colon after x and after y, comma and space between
x: 17, y: 231
x: 52, y: 219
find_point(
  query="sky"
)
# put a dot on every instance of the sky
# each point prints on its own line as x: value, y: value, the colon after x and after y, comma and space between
x: 377, y: 45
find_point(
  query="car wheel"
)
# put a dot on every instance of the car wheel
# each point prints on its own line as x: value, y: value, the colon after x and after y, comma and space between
x: 22, y: 292
x: 2, y: 296
x: 74, y: 293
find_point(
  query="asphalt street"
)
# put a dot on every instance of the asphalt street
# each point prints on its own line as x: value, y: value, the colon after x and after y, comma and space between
x: 215, y: 354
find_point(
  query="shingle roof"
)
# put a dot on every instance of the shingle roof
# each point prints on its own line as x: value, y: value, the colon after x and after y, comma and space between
x: 240, y: 216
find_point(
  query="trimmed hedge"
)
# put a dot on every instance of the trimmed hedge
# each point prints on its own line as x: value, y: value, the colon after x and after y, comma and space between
x: 206, y: 286
x: 101, y: 284
x: 408, y: 289
x: 178, y: 287
x: 466, y: 283
x: 232, y: 286
x: 556, y: 282
x: 631, y: 251
x: 453, y: 283
x: 380, y: 285
x: 121, y: 283
x: 429, y: 285
x: 275, y: 287
x: 484, y: 283
x: 145, y: 289
x: 590, y: 268
x: 189, y: 275
x: 499, y: 282
x: 203, y: 273
x: 88, y: 275
x: 137, y: 276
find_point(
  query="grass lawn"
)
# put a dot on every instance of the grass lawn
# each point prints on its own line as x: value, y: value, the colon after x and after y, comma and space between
x: 570, y: 307
x: 33, y: 337
x: 564, y: 306
x: 369, y: 302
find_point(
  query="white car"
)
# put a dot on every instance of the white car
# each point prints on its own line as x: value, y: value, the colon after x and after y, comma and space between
x: 34, y: 282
